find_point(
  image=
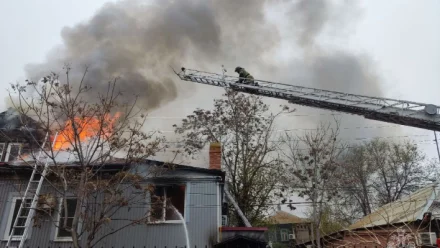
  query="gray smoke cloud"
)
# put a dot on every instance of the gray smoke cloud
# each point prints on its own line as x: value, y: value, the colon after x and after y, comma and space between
x: 138, y: 41
x: 311, y: 15
x: 330, y: 67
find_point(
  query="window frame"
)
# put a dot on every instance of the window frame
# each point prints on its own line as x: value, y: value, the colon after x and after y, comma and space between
x: 163, y: 220
x: 284, y: 235
x: 8, y: 227
x: 8, y: 150
x: 57, y: 226
x: 2, y: 150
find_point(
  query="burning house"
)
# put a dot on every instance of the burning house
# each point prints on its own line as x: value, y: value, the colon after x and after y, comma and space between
x: 19, y: 134
x: 195, y: 194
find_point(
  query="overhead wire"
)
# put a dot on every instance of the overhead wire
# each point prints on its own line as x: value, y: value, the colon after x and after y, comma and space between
x: 270, y: 204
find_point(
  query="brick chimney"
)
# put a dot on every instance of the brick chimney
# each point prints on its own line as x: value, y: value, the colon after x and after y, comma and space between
x: 215, y: 156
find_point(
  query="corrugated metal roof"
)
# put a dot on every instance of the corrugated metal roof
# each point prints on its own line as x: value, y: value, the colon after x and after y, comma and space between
x: 118, y: 164
x: 407, y: 209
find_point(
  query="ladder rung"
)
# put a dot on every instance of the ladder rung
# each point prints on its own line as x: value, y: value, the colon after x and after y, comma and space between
x: 32, y: 192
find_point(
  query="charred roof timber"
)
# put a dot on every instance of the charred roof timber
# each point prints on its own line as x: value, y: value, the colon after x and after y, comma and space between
x: 20, y: 128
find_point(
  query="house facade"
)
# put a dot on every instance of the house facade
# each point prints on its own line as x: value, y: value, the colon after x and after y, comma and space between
x: 196, y: 194
x: 286, y: 229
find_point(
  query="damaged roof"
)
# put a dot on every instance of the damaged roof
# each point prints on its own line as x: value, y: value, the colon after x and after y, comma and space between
x: 407, y: 209
x: 16, y: 126
x: 116, y: 165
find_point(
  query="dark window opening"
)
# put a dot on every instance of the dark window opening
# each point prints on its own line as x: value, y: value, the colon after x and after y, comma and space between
x: 18, y: 231
x: 13, y: 152
x: 165, y: 201
x: 65, y: 223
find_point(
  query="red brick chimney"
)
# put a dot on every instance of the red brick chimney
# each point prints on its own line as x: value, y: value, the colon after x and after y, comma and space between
x: 215, y: 156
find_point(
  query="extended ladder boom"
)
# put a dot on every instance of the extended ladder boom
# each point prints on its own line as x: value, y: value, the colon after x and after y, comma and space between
x: 421, y: 115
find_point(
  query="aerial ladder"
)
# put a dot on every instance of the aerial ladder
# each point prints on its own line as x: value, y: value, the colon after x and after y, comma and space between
x: 407, y: 113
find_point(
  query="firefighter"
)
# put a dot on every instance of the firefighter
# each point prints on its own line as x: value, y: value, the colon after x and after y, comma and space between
x: 245, y: 77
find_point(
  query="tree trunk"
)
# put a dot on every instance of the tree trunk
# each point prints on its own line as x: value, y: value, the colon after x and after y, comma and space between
x: 314, y: 223
x: 78, y: 209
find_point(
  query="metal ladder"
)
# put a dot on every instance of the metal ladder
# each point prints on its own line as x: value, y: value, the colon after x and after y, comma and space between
x: 26, y: 211
x: 408, y: 113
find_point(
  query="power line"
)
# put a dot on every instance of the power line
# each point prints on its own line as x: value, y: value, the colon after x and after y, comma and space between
x: 356, y: 139
x: 296, y: 149
x: 133, y: 205
x: 276, y: 130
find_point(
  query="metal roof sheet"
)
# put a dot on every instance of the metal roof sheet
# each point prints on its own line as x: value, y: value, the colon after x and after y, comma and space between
x: 407, y: 209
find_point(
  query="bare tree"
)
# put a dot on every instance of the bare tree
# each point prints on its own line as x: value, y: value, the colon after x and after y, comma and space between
x: 379, y: 172
x: 92, y: 129
x: 313, y: 160
x: 356, y: 181
x: 249, y: 157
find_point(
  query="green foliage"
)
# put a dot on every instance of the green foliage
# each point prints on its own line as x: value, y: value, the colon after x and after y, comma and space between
x: 279, y: 245
x: 329, y: 224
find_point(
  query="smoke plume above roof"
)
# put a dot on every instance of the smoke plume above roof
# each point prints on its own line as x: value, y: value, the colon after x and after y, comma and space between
x: 138, y: 41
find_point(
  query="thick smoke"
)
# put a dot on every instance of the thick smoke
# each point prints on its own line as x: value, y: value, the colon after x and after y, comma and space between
x: 323, y: 62
x: 138, y: 41
x: 311, y: 17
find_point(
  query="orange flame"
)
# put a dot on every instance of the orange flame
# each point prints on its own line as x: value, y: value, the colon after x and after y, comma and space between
x: 86, y: 128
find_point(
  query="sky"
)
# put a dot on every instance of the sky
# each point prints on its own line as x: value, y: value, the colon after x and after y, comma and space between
x: 400, y: 37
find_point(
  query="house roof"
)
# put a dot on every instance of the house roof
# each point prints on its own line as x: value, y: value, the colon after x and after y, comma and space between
x: 187, y: 167
x: 118, y: 165
x: 407, y: 209
x: 16, y: 126
x: 282, y: 217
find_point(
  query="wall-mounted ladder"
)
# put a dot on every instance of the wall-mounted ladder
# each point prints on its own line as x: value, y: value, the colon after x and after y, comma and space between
x: 29, y: 201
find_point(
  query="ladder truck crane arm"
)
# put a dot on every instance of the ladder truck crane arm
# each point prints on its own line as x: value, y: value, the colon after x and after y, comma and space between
x: 407, y: 113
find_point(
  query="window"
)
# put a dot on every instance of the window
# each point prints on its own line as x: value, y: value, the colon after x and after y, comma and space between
x: 65, y: 221
x: 2, y: 149
x: 18, y: 232
x: 13, y: 152
x: 165, y: 200
x: 284, y: 234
